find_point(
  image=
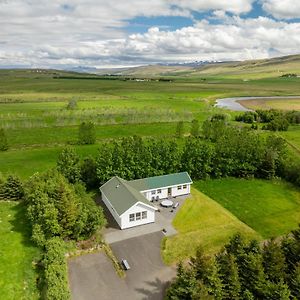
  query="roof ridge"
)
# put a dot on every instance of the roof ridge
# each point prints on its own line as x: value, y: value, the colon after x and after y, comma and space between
x: 131, y: 189
x: 159, y: 176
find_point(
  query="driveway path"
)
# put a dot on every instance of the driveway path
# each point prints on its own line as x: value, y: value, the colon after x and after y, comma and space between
x: 93, y: 277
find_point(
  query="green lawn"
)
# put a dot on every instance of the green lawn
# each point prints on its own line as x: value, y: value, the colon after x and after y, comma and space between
x: 201, y: 221
x: 17, y: 253
x: 293, y: 136
x: 272, y: 208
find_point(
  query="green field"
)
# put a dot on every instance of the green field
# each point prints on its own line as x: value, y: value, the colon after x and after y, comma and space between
x: 33, y: 110
x: 270, y: 208
x: 202, y: 221
x: 17, y: 254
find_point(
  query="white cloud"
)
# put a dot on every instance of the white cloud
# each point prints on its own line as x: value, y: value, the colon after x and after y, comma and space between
x: 282, y: 9
x: 233, y: 6
x: 91, y: 32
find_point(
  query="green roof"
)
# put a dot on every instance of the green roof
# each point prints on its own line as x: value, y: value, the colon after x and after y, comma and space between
x: 121, y: 195
x: 160, y: 181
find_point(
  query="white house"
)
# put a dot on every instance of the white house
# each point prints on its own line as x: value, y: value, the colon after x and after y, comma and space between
x: 129, y: 202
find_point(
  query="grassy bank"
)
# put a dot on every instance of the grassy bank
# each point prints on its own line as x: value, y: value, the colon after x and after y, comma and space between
x: 201, y: 221
x: 272, y: 208
x: 17, y: 254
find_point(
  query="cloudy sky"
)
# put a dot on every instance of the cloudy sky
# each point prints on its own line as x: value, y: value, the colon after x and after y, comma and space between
x: 113, y: 33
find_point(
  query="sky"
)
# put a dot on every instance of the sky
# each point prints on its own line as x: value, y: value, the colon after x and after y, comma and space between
x: 120, y: 33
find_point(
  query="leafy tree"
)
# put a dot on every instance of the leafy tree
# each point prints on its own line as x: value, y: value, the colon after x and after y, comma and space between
x: 88, y: 172
x: 218, y: 117
x: 72, y: 104
x: 68, y: 164
x: 197, y: 158
x: 213, y: 129
x: 87, y: 133
x: 3, y: 140
x: 57, y: 208
x: 104, y: 163
x: 195, y: 128
x: 179, y: 129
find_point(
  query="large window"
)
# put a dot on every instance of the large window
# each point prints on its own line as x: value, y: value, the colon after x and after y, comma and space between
x: 131, y: 217
x: 138, y: 216
x: 144, y: 215
x: 179, y: 187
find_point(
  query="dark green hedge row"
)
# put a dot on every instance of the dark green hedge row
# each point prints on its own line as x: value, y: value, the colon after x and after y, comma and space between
x: 55, y: 268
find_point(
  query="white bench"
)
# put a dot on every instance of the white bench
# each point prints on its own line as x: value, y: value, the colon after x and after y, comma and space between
x: 176, y: 205
x: 125, y: 264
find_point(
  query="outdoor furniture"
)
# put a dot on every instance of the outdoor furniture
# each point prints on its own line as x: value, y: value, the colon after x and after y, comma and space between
x: 125, y: 264
x: 166, y: 203
x: 176, y: 205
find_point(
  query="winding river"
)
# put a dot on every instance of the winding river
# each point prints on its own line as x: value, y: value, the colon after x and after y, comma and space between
x: 232, y: 104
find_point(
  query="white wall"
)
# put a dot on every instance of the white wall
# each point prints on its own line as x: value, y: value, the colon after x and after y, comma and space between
x: 164, y: 192
x: 125, y: 223
x: 176, y: 192
x: 111, y: 209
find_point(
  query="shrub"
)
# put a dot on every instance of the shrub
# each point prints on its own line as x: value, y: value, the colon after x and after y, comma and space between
x: 3, y: 140
x: 195, y: 128
x: 11, y: 188
x: 68, y: 164
x: 57, y: 287
x: 87, y: 133
x: 72, y: 104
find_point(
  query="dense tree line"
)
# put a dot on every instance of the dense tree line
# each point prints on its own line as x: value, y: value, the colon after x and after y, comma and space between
x: 242, y: 270
x: 56, y: 208
x: 274, y: 120
x: 59, y: 211
x: 223, y: 150
x: 226, y: 152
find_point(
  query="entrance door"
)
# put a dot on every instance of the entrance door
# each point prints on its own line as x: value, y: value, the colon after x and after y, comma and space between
x: 169, y: 192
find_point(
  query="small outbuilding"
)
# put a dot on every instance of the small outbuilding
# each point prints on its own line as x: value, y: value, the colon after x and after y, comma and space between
x: 130, y: 202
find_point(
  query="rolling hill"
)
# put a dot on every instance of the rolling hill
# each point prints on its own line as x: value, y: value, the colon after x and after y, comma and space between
x: 251, y: 69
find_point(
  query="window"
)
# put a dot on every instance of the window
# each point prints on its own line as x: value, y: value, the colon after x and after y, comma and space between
x: 159, y: 191
x: 131, y: 217
x: 153, y: 192
x: 138, y: 216
x: 184, y: 186
x: 179, y: 187
x: 144, y: 215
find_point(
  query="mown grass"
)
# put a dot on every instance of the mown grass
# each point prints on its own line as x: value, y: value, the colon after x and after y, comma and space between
x: 18, y: 274
x: 202, y: 221
x: 293, y: 136
x: 26, y: 162
x: 271, y: 208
